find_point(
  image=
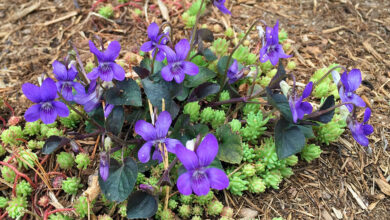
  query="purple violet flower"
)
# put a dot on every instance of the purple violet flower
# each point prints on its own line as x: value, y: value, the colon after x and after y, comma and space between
x: 154, y: 135
x: 220, y: 4
x: 361, y: 130
x: 199, y: 178
x: 45, y: 108
x: 107, y: 68
x: 66, y: 81
x: 177, y: 65
x: 91, y: 99
x: 299, y: 108
x: 350, y: 83
x: 156, y: 41
x: 272, y: 50
x: 233, y: 73
x: 104, y: 168
x: 108, y: 109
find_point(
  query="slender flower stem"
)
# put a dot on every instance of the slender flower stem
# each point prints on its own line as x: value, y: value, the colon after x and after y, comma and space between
x: 326, y: 74
x: 47, y: 214
x: 223, y: 82
x: 19, y: 173
x: 254, y: 79
x: 195, y: 27
x: 241, y: 99
x: 318, y: 113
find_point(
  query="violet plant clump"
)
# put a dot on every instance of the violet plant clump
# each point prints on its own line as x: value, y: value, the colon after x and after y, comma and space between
x: 191, y: 116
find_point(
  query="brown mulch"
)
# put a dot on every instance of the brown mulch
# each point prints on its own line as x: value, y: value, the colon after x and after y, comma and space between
x: 348, y: 182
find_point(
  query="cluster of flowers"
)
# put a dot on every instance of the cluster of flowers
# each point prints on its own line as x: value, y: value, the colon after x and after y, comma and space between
x: 199, y: 177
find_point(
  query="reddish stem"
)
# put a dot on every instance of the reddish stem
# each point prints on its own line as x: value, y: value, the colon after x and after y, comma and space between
x: 4, y: 215
x: 14, y: 188
x: 94, y: 5
x: 12, y: 110
x: 19, y: 173
x: 128, y: 3
x: 21, y: 139
x: 11, y: 158
x: 4, y: 123
x: 46, y: 216
x: 57, y: 173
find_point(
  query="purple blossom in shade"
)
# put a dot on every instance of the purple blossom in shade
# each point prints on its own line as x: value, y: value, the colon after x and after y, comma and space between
x: 350, y: 83
x: 199, y: 178
x: 154, y: 135
x: 220, y: 4
x: 361, y: 130
x: 104, y: 168
x: 107, y: 68
x: 90, y: 99
x: 108, y: 109
x: 297, y: 106
x: 177, y: 65
x: 233, y: 73
x: 272, y: 50
x: 66, y: 79
x: 45, y: 108
x: 156, y: 41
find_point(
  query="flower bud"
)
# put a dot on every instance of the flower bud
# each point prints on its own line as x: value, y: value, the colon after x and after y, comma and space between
x: 104, y: 165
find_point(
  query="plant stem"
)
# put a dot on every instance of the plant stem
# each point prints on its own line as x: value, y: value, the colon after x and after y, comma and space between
x: 223, y: 82
x: 240, y: 99
x: 194, y: 28
x: 19, y: 173
x: 318, y: 113
x: 326, y: 74
x: 47, y: 214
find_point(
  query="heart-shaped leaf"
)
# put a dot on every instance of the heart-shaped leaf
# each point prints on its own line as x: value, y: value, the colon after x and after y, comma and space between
x: 98, y: 116
x: 120, y: 181
x: 115, y: 120
x: 126, y: 92
x: 279, y: 76
x: 141, y: 205
x: 141, y: 71
x: 289, y: 139
x: 280, y: 102
x: 53, y: 143
x: 203, y: 91
x: 230, y: 146
x: 203, y: 76
x: 160, y: 89
x: 326, y: 117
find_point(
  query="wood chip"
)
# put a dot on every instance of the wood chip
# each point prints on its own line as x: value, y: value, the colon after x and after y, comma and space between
x: 248, y: 213
x: 163, y: 9
x: 20, y: 14
x: 69, y: 15
x: 338, y: 213
x: 325, y: 215
x: 93, y: 190
x: 383, y: 185
x: 372, y: 51
x: 356, y: 197
x: 331, y: 30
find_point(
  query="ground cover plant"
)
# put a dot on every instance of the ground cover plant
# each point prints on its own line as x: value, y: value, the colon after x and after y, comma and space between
x: 196, y: 118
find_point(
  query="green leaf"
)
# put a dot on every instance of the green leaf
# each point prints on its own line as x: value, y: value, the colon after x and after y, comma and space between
x: 98, y: 116
x: 307, y: 130
x: 147, y: 63
x: 222, y: 64
x: 203, y: 76
x: 126, y: 92
x: 230, y: 146
x: 280, y: 102
x: 141, y: 205
x: 279, y: 76
x: 183, y: 130
x: 53, y: 143
x: 183, y: 94
x: 115, y: 120
x: 327, y: 117
x: 209, y: 55
x: 203, y: 91
x: 121, y: 180
x: 160, y: 89
x: 289, y: 139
